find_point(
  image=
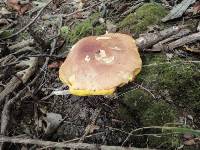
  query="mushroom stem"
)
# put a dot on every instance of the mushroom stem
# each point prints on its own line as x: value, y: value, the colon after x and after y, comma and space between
x: 62, y: 92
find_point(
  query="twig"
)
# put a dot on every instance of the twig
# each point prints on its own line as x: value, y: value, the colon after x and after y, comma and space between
x: 24, y: 75
x: 66, y: 145
x: 91, y: 125
x: 30, y: 23
x: 53, y: 44
x: 141, y: 129
x: 21, y: 44
x: 68, y: 15
x: 77, y: 139
x: 185, y: 40
x: 47, y: 55
x: 133, y: 8
x: 91, y: 135
x: 162, y: 44
x: 6, y: 114
x: 127, y: 138
x: 10, y: 87
x: 46, y: 17
x: 146, y: 90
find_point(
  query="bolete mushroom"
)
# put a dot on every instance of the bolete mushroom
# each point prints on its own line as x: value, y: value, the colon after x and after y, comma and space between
x: 97, y: 65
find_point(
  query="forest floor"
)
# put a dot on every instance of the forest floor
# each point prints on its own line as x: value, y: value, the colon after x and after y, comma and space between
x: 160, y: 109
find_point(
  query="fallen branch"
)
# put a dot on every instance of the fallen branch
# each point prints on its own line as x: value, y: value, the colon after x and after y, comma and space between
x: 185, y: 40
x: 160, y: 45
x: 6, y: 115
x: 150, y: 39
x: 21, y: 44
x: 9, y: 88
x: 25, y: 74
x: 66, y: 145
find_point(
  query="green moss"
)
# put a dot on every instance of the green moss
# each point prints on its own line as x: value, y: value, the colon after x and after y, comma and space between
x: 175, y: 85
x: 165, y: 141
x: 86, y: 28
x: 64, y: 31
x: 159, y: 113
x: 134, y: 103
x: 176, y: 81
x: 139, y: 104
x: 148, y: 14
x: 5, y: 33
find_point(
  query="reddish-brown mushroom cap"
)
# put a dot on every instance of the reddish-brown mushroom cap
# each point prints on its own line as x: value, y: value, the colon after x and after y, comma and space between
x: 96, y: 65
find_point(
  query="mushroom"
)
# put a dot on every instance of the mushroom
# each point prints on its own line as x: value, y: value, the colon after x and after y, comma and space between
x: 97, y: 65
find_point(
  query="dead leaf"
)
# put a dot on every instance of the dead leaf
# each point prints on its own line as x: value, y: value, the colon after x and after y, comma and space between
x: 189, y: 142
x: 3, y: 22
x: 92, y: 128
x: 20, y: 8
x: 55, y: 65
x: 57, y: 3
x: 49, y: 122
x: 79, y: 4
x: 196, y: 8
x: 191, y: 49
x: 4, y: 11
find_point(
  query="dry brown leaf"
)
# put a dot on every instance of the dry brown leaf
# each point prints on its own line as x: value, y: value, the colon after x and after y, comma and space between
x: 92, y: 128
x: 196, y: 8
x: 20, y: 8
x: 191, y: 49
x: 54, y: 65
x: 189, y: 142
x: 3, y: 22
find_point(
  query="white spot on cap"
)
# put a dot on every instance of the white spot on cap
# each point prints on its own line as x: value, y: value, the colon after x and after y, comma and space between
x: 101, y: 56
x: 87, y: 58
x: 102, y: 53
x: 103, y: 38
x: 108, y: 60
x: 116, y: 48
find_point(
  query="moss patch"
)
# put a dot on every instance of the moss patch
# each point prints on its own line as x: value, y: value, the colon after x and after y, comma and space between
x: 86, y: 28
x: 159, y: 113
x: 174, y: 83
x: 135, y: 102
x: 146, y: 15
x: 177, y: 81
x: 139, y: 105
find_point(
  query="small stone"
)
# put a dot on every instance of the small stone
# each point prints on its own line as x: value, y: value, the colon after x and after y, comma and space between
x: 101, y: 20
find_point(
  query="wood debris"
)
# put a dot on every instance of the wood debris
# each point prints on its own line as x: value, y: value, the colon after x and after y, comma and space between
x: 178, y: 10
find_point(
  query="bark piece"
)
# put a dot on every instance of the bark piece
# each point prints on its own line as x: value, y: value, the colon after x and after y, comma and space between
x: 24, y: 75
x: 150, y: 39
x: 198, y: 27
x: 187, y: 39
x: 161, y: 45
x: 178, y: 10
